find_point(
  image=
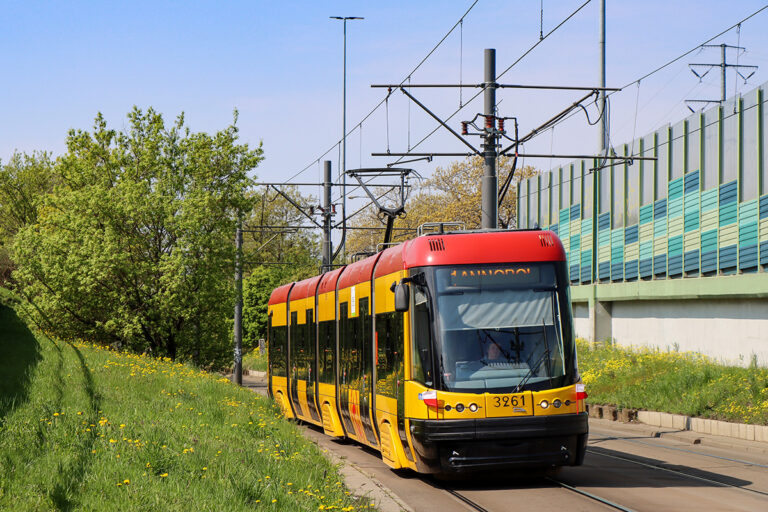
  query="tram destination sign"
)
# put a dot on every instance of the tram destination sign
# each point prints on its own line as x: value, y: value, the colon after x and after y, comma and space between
x: 490, y: 275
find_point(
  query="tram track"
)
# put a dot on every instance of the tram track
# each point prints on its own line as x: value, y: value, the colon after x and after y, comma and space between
x: 590, y: 495
x: 693, y: 452
x: 465, y: 500
x: 660, y: 467
x: 479, y: 508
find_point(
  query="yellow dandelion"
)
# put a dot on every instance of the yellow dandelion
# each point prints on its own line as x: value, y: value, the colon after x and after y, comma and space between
x: 163, y: 475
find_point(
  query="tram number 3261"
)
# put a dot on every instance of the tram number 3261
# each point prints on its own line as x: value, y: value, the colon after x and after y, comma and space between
x: 510, y: 401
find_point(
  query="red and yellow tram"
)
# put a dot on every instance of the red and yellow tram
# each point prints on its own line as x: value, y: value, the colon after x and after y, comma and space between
x: 447, y: 353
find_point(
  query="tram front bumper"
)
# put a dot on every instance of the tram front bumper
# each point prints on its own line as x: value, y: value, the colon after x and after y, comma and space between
x: 500, y: 443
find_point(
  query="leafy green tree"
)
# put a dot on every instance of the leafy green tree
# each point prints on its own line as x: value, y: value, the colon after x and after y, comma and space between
x: 24, y: 182
x: 275, y: 255
x: 257, y: 287
x: 134, y: 246
x: 272, y: 237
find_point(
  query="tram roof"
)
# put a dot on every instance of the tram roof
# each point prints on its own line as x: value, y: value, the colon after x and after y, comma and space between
x: 280, y: 294
x: 483, y: 247
x: 305, y: 288
x: 328, y: 281
x: 358, y: 272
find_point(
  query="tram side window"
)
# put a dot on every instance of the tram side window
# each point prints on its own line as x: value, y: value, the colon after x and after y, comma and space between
x: 296, y: 341
x: 363, y: 341
x: 309, y: 346
x: 344, y: 348
x: 389, y: 332
x: 327, y: 348
x: 353, y: 340
x: 422, y: 359
x: 277, y: 350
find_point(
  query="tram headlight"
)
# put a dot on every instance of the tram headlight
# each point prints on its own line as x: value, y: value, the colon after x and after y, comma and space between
x: 544, y: 404
x: 473, y: 407
x: 459, y: 407
x: 557, y: 403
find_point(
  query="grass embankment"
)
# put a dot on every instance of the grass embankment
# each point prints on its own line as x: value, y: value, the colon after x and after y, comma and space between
x: 675, y: 382
x: 82, y: 427
x: 255, y: 360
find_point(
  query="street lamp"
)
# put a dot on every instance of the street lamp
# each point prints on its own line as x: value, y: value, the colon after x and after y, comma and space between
x: 342, y: 245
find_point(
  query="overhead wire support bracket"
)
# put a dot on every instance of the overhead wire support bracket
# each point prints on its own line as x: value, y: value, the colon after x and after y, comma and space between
x: 505, y: 86
x: 422, y: 155
x: 288, y: 198
x: 547, y: 124
x: 442, y: 123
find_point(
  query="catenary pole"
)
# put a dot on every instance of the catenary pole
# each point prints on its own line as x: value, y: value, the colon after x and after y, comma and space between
x: 723, y: 67
x: 237, y: 372
x: 327, y: 248
x: 489, y: 188
x: 344, y: 19
x: 603, y: 120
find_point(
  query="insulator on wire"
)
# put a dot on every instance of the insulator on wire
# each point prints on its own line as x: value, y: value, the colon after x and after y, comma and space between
x: 464, y: 130
x: 501, y: 124
x: 489, y: 122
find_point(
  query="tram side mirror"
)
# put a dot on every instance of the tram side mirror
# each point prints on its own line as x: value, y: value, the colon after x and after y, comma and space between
x: 402, y: 297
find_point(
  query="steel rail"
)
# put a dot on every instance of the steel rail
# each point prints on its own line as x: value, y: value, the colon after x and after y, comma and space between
x: 677, y: 472
x: 590, y: 495
x: 739, y: 461
x: 466, y: 500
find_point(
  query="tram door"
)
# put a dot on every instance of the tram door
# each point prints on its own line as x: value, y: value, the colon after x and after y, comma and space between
x: 295, y: 335
x: 310, y: 364
x: 346, y: 366
x: 365, y: 383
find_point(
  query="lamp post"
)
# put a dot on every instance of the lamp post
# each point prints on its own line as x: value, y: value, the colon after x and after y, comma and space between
x: 342, y: 246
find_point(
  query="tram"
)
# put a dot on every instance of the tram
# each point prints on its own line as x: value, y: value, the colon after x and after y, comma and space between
x: 448, y: 353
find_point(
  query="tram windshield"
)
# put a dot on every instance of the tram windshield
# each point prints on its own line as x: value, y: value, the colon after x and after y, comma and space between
x: 499, y: 328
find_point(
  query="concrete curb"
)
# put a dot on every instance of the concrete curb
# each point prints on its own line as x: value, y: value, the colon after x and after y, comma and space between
x: 364, y: 485
x: 741, y: 431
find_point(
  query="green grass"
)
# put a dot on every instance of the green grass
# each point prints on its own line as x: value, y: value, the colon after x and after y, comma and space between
x: 255, y: 360
x: 675, y: 382
x: 86, y: 428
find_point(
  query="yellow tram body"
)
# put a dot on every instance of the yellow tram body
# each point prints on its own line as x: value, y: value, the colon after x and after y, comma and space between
x: 412, y: 381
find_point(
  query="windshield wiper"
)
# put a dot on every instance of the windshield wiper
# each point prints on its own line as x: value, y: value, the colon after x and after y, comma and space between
x: 532, y: 370
x: 546, y: 344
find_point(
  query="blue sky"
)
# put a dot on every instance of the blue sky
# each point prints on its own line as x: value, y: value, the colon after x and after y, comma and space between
x: 279, y: 63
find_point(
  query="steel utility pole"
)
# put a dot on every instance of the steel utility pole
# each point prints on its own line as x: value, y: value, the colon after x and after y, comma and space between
x: 237, y: 372
x: 327, y: 247
x: 490, y: 181
x: 603, y: 123
x: 344, y: 131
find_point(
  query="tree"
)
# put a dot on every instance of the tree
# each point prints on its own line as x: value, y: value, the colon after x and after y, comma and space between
x: 272, y: 237
x: 275, y: 256
x: 24, y: 182
x: 453, y: 193
x: 134, y: 246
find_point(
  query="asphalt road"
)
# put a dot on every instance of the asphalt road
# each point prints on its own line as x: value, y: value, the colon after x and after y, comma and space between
x: 628, y: 467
